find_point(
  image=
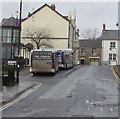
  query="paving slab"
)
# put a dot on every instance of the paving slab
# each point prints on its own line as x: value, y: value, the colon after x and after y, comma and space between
x: 10, y: 92
x: 117, y: 69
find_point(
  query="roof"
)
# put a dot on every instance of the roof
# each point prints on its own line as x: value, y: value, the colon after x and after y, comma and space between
x: 10, y: 22
x: 21, y: 44
x: 91, y: 43
x: 53, y: 50
x: 110, y: 35
x: 64, y: 17
x: 65, y: 50
x: 45, y: 49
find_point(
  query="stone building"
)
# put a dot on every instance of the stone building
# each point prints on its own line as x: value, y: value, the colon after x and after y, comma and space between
x: 90, y: 51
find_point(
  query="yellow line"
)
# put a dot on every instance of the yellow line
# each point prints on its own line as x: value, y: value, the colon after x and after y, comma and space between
x: 116, y: 76
x: 20, y: 97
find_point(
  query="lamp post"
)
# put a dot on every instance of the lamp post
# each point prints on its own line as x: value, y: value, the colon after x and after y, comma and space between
x: 18, y: 62
x: 118, y: 44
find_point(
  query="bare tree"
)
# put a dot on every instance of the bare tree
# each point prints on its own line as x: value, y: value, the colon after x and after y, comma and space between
x: 90, y: 34
x: 40, y: 37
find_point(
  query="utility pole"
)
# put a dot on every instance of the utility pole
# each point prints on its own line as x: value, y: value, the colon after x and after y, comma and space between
x: 118, y: 45
x: 18, y: 61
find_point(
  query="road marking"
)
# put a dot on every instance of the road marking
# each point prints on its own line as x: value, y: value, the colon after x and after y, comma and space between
x: 114, y: 73
x: 20, y: 97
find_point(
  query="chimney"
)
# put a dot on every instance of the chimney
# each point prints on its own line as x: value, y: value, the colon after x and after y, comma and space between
x: 104, y: 27
x: 53, y: 7
x: 29, y: 14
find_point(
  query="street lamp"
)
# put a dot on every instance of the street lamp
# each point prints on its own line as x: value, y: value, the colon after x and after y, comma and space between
x: 18, y: 63
x: 118, y: 44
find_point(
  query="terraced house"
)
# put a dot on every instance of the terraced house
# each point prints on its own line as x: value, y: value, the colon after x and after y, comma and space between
x: 110, y: 46
x: 90, y: 51
x: 52, y: 29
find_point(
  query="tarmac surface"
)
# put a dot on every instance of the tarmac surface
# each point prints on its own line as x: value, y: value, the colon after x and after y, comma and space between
x: 89, y: 91
x: 9, y: 93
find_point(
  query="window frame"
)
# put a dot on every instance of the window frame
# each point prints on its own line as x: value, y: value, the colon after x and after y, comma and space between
x: 83, y: 53
x: 112, y: 56
x: 112, y: 44
x: 94, y: 53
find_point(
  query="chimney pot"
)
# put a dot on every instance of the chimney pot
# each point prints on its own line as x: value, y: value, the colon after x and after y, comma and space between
x: 53, y: 7
x: 29, y: 14
x: 104, y: 27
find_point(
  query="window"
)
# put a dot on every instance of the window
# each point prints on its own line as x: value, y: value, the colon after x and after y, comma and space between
x: 6, y: 35
x: 6, y: 52
x: 4, y: 32
x: 94, y: 51
x: 112, y: 44
x: 8, y: 40
x: 4, y: 39
x: 83, y: 52
x: 15, y: 36
x: 93, y: 60
x: 112, y: 56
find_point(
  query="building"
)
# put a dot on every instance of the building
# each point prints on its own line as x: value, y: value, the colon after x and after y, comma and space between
x: 63, y: 30
x: 110, y: 48
x: 90, y: 51
x: 9, y: 34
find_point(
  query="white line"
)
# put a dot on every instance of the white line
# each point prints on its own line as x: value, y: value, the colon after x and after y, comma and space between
x: 21, y: 97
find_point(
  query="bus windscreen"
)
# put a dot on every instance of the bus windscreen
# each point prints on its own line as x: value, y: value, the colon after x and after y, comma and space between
x: 46, y: 55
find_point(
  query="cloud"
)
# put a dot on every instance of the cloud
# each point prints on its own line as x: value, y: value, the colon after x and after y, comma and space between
x: 89, y: 14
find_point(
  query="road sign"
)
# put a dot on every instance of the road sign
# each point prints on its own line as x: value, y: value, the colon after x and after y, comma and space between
x: 12, y: 62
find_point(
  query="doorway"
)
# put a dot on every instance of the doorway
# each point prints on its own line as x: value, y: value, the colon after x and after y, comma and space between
x: 82, y: 61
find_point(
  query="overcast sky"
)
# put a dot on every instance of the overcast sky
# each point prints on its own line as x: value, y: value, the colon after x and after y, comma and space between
x: 89, y: 14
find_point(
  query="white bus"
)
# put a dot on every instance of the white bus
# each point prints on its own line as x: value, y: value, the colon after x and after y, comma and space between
x: 65, y: 58
x: 44, y: 60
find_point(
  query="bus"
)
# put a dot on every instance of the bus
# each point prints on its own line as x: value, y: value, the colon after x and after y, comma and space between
x: 44, y: 60
x: 65, y: 58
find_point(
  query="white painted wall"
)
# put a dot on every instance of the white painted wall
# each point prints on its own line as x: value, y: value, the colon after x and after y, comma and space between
x: 119, y: 52
x: 106, y: 50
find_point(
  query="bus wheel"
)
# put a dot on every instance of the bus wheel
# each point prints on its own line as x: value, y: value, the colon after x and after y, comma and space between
x: 34, y: 73
x: 53, y: 73
x: 66, y: 66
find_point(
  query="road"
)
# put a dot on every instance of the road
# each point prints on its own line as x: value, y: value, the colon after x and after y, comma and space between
x: 89, y: 91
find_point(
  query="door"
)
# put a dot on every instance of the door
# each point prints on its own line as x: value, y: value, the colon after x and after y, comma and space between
x: 82, y: 61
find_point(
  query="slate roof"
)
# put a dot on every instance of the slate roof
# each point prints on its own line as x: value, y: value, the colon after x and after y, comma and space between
x: 10, y: 22
x: 110, y: 35
x: 90, y: 43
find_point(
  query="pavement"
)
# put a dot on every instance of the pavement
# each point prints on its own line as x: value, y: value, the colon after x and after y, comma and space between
x: 116, y: 72
x: 9, y: 93
x: 117, y: 68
